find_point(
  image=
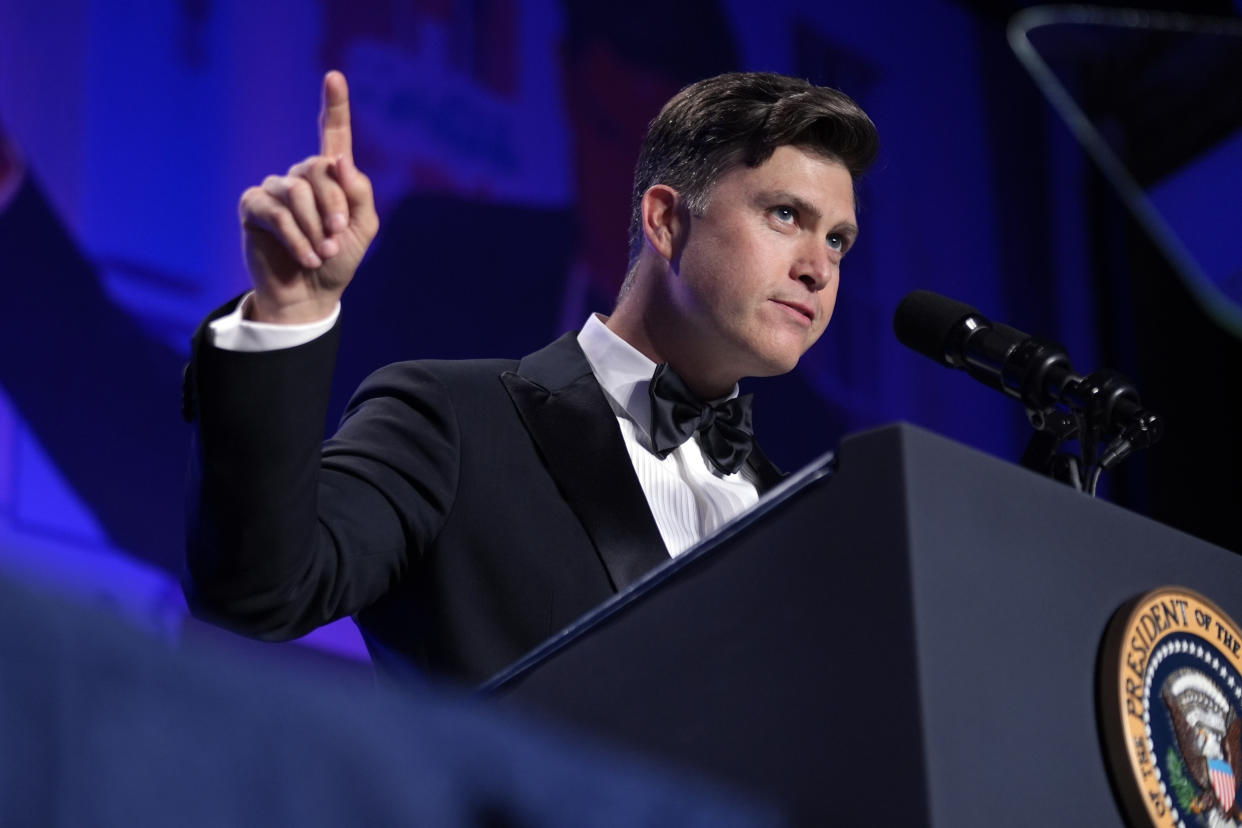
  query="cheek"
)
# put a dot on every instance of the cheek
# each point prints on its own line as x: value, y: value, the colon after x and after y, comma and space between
x: 704, y: 272
x: 747, y: 269
x: 728, y: 269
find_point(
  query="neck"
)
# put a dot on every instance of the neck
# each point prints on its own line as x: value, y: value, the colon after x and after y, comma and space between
x: 642, y: 319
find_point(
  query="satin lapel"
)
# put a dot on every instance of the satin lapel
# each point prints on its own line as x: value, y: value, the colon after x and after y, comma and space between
x: 570, y: 421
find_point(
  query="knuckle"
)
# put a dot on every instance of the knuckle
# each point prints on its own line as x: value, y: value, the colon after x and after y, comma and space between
x: 305, y: 166
x: 262, y: 210
x: 299, y: 189
x: 246, y: 204
x: 274, y: 183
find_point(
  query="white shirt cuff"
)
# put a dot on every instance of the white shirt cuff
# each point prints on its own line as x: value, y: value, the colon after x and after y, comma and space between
x: 233, y: 333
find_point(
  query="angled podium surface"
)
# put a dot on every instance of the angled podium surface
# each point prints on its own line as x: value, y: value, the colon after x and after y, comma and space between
x: 912, y: 640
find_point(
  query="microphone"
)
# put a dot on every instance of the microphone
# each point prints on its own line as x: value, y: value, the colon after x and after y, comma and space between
x: 1033, y: 370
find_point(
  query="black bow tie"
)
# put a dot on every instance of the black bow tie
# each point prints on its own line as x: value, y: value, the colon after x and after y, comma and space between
x: 676, y: 413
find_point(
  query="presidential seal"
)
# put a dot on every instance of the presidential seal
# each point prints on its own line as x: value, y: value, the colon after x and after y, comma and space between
x: 1170, y: 704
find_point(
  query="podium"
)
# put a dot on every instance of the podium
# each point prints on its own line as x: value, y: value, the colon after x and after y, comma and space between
x: 912, y: 640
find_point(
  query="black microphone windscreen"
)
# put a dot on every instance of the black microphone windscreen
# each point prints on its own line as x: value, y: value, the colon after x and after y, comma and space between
x: 924, y: 320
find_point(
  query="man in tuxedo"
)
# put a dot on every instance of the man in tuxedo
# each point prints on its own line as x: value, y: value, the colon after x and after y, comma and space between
x: 127, y: 465
x: 465, y: 511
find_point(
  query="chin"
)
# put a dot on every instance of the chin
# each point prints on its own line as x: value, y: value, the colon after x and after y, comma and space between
x: 782, y: 357
x: 767, y: 354
x: 773, y: 365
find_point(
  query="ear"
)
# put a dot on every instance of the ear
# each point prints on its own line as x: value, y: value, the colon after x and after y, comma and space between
x: 663, y: 219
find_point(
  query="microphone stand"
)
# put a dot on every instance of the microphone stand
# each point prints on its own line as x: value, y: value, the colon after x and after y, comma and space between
x: 1052, y: 429
x: 1097, y: 405
x: 1060, y: 404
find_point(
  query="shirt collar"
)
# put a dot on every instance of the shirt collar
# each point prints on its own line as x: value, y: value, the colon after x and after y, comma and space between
x: 622, y: 371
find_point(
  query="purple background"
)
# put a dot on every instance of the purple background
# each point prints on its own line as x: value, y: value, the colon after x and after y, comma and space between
x: 513, y: 124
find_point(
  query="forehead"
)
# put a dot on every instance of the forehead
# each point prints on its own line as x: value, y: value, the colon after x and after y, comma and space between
x: 817, y: 179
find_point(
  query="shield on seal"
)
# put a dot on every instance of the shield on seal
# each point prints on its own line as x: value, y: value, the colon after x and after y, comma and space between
x: 1222, y: 782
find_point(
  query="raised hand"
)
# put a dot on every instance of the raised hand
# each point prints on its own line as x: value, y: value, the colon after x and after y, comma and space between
x: 305, y: 232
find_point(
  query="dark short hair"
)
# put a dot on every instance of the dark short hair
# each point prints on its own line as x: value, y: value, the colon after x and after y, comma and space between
x: 736, y: 118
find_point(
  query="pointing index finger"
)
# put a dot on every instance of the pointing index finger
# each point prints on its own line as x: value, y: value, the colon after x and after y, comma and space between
x: 335, y: 136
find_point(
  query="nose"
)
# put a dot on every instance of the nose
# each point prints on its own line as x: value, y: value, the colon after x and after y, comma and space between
x: 815, y: 266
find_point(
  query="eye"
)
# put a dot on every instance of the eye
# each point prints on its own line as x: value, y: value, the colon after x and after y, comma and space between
x: 785, y: 214
x: 836, y: 241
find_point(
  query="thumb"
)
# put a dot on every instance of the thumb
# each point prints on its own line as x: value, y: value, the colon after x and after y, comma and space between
x: 335, y: 135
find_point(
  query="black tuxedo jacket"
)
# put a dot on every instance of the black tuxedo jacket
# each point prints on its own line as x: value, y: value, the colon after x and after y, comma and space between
x: 464, y: 511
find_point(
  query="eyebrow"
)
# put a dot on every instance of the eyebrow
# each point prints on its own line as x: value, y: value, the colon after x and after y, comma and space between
x: 846, y: 228
x: 807, y: 208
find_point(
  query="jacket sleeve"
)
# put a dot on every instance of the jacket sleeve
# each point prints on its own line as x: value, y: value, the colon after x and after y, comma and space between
x: 283, y: 534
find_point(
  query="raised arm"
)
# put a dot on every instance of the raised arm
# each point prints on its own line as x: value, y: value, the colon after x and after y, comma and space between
x: 261, y: 557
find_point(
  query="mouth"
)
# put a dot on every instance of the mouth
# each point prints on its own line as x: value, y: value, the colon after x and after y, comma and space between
x: 804, y: 313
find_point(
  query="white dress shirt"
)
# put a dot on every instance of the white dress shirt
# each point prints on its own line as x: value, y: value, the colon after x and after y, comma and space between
x: 688, y: 497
